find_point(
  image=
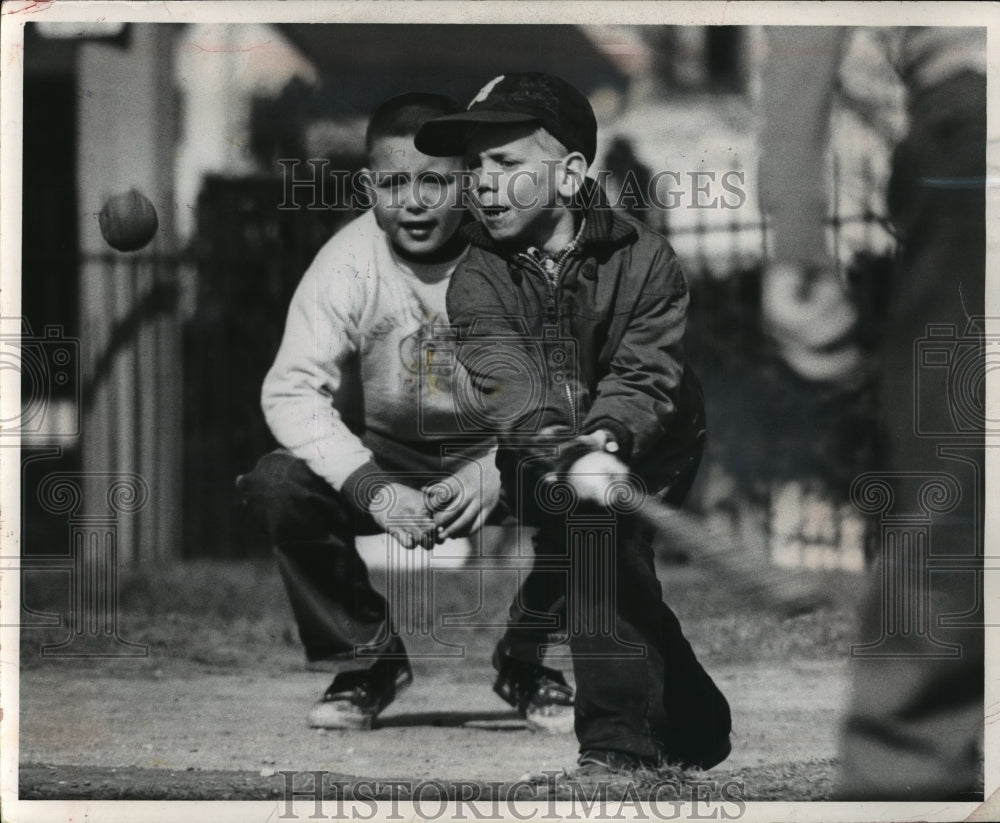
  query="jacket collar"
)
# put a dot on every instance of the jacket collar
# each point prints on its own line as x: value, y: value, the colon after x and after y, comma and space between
x: 603, y: 226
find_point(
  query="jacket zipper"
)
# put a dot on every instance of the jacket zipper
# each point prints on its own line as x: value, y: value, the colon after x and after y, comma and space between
x: 557, y: 282
x: 552, y: 283
x: 572, y: 405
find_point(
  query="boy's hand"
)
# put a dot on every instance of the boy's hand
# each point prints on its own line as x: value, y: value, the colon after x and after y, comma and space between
x: 572, y: 449
x: 407, y: 519
x: 593, y: 474
x: 461, y: 503
x: 597, y: 441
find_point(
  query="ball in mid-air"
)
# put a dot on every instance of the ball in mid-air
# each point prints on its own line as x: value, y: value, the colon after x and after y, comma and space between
x: 128, y: 221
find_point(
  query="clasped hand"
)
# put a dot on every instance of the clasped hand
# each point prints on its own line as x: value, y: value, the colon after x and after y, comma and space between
x: 456, y: 506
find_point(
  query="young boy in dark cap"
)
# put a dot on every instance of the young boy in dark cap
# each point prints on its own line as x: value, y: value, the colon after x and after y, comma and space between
x: 342, y: 398
x: 570, y: 319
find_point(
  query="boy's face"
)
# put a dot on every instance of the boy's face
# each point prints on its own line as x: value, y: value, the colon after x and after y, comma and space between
x: 416, y: 199
x: 515, y: 183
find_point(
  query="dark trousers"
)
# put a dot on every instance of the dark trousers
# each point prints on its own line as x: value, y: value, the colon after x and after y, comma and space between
x: 312, y: 528
x: 915, y: 721
x: 639, y: 687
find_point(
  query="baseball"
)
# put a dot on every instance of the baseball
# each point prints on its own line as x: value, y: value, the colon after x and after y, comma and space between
x: 128, y: 221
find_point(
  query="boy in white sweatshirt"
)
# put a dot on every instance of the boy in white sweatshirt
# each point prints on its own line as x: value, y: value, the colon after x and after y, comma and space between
x: 369, y: 436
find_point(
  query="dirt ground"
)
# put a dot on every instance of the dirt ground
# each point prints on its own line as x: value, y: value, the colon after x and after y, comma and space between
x: 217, y: 709
x: 449, y: 725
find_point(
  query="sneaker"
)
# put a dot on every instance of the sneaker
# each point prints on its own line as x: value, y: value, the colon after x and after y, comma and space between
x: 355, y: 698
x: 602, y: 763
x: 539, y: 693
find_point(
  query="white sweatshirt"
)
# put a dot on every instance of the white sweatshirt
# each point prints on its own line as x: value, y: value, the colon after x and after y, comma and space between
x: 350, y: 356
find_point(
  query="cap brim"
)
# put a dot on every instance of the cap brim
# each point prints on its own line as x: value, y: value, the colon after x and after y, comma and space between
x: 448, y: 136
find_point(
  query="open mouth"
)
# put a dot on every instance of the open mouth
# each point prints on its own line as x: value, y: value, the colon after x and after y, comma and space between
x: 419, y: 229
x: 493, y: 212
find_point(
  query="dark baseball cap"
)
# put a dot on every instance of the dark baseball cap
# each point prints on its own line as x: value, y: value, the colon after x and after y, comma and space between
x: 527, y: 97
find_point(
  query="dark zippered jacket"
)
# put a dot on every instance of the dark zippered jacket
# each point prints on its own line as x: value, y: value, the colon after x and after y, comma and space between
x: 596, y: 344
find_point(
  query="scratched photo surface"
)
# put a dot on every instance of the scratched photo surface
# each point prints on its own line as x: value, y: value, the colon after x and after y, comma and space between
x: 249, y: 429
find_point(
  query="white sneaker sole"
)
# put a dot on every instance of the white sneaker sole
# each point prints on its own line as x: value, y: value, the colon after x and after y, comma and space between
x: 342, y: 714
x: 339, y: 714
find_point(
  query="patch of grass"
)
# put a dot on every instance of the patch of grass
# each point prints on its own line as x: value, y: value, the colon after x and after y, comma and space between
x: 235, y: 614
x: 724, y: 628
x: 809, y: 780
x: 217, y: 614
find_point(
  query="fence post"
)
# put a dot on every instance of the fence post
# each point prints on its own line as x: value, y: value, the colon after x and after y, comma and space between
x: 131, y: 367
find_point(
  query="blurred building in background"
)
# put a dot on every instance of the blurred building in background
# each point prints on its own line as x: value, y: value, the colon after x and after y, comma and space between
x: 175, y: 339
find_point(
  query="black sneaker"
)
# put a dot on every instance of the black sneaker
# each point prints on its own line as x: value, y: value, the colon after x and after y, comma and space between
x: 539, y: 693
x: 355, y: 698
